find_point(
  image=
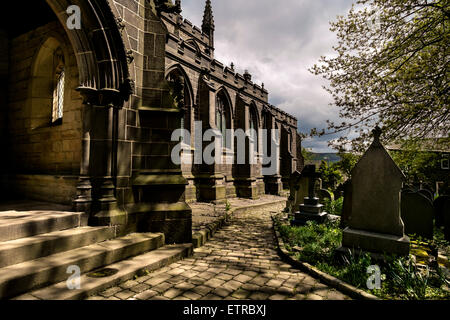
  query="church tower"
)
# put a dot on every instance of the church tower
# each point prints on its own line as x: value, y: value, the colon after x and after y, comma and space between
x: 208, y: 25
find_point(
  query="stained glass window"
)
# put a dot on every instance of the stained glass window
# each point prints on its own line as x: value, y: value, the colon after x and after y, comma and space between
x: 58, y: 96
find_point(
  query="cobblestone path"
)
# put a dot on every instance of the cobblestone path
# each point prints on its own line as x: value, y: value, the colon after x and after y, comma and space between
x: 239, y: 262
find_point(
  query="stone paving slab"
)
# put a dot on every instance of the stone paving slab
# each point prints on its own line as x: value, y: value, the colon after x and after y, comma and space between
x: 239, y: 262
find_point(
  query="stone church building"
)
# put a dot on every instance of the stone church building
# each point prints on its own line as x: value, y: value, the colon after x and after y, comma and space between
x: 88, y: 113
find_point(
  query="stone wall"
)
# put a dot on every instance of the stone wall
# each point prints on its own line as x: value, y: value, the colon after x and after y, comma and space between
x: 187, y: 51
x: 38, y: 149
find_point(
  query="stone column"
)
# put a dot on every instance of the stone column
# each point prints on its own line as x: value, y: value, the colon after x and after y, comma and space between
x: 211, y: 181
x: 273, y: 182
x: 83, y: 201
x: 105, y: 208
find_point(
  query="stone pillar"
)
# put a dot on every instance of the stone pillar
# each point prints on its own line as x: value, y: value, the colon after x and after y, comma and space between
x: 273, y: 184
x: 105, y: 208
x: 211, y: 181
x: 246, y: 175
x: 83, y: 201
x: 159, y: 188
x: 286, y: 156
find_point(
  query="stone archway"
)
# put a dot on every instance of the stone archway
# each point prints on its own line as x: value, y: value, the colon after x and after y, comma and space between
x: 98, y: 63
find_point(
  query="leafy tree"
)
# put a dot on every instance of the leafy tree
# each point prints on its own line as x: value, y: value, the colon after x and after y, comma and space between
x: 330, y: 175
x: 307, y: 155
x: 347, y: 163
x: 420, y: 166
x: 390, y: 69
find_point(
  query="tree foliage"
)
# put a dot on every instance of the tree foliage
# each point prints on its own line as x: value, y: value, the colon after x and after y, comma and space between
x: 330, y: 174
x: 421, y: 166
x: 347, y: 162
x: 390, y: 69
x: 307, y: 154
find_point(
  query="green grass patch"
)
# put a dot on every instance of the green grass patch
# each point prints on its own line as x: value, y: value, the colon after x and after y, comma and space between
x: 402, y: 278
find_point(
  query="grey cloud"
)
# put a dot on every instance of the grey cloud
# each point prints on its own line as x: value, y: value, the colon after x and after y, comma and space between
x: 277, y: 42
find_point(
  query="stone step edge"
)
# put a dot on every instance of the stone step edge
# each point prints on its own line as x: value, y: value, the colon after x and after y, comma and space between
x: 47, y: 239
x: 60, y: 221
x: 334, y: 282
x: 129, y: 268
x: 199, y: 238
x: 87, y: 258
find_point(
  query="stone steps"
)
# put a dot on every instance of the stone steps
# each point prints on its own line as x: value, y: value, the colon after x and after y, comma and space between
x: 16, y: 225
x: 21, y: 278
x: 31, y: 248
x: 127, y: 269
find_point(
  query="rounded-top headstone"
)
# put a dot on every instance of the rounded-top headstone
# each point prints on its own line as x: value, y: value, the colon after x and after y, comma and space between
x: 417, y: 214
x: 427, y: 193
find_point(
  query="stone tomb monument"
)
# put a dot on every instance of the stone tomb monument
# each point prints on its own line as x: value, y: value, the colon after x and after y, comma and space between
x: 299, y: 186
x: 375, y: 224
x: 417, y: 214
x: 310, y: 210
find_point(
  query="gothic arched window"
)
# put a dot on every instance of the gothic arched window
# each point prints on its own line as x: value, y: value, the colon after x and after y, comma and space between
x: 179, y: 89
x: 58, y: 87
x: 254, y: 128
x: 222, y: 119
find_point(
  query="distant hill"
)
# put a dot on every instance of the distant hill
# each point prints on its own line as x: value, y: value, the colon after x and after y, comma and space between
x: 328, y: 157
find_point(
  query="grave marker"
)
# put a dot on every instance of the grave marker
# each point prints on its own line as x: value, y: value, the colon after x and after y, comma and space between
x: 375, y: 224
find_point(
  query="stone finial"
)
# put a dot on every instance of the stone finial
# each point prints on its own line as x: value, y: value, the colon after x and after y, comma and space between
x: 232, y: 66
x: 208, y: 18
x: 376, y: 136
x: 208, y: 25
x: 377, y: 132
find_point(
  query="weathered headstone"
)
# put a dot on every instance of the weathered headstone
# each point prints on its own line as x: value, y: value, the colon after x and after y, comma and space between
x: 427, y: 193
x: 375, y: 224
x: 310, y: 210
x: 441, y: 207
x: 347, y: 204
x: 294, y: 187
x: 300, y: 186
x: 318, y: 185
x: 417, y: 214
x: 323, y: 194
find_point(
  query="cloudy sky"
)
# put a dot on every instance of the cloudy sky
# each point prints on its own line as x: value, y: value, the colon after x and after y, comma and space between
x: 277, y: 41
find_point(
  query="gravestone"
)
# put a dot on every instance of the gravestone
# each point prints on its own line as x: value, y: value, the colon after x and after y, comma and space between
x: 339, y: 191
x: 441, y: 207
x: 417, y: 214
x: 427, y: 193
x: 375, y: 224
x: 294, y: 186
x: 310, y: 210
x: 347, y: 204
x: 318, y: 185
x: 300, y: 186
x: 323, y: 194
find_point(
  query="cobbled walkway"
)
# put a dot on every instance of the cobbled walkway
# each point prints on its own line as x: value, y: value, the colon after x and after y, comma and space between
x: 239, y: 262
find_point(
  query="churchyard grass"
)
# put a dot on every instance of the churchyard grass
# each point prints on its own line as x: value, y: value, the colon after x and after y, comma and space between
x: 402, y: 278
x: 333, y: 207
